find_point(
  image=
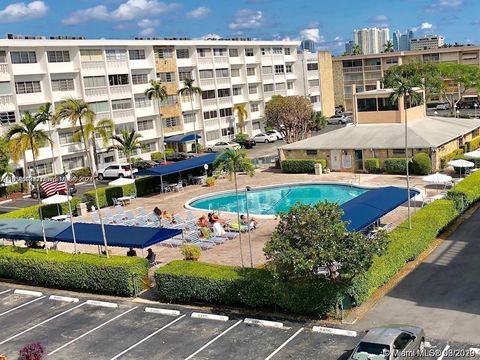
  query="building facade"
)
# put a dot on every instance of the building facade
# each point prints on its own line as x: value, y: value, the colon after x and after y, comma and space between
x: 308, y: 45
x: 371, y: 40
x: 431, y: 42
x: 401, y: 42
x: 112, y: 75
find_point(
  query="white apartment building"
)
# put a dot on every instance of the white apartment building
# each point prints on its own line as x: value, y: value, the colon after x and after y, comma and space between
x: 427, y: 43
x: 112, y: 75
x: 371, y: 40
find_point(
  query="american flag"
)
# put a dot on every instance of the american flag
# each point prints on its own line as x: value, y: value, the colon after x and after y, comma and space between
x: 53, y: 187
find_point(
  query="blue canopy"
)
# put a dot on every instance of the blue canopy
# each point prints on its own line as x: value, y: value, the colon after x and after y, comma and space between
x: 367, y: 208
x: 182, y: 138
x: 90, y: 234
x: 179, y: 166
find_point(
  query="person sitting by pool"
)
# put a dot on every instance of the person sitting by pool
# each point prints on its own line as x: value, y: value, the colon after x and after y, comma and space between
x: 167, y: 216
x: 253, y: 223
x: 151, y: 256
x: 131, y: 252
x: 157, y: 212
x: 213, y: 218
x: 203, y: 222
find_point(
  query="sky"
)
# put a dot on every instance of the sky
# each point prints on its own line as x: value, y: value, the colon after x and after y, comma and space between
x: 329, y: 23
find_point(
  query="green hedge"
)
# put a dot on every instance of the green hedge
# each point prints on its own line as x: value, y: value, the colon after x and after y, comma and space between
x: 192, y: 281
x: 468, y: 189
x: 421, y: 164
x: 48, y: 211
x: 395, y: 166
x: 372, y: 166
x: 105, y: 194
x: 84, y: 272
x: 302, y: 166
x: 450, y: 156
x: 12, y: 189
x: 148, y: 185
x: 82, y: 172
x: 473, y: 144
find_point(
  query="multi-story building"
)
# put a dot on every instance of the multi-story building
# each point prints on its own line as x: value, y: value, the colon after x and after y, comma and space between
x: 430, y: 42
x: 349, y: 46
x: 308, y: 45
x: 401, y: 42
x: 365, y: 71
x: 112, y: 75
x: 371, y: 40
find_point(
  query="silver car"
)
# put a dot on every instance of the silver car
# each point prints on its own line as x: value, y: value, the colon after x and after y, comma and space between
x: 339, y: 119
x: 391, y: 342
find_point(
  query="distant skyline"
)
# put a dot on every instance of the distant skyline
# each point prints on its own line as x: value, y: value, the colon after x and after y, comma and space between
x: 330, y: 24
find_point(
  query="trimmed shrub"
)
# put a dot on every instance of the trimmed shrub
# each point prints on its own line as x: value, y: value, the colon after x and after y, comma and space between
x: 12, y: 189
x: 83, y: 172
x: 147, y: 185
x: 372, y: 166
x: 90, y: 198
x: 421, y: 164
x: 156, y: 155
x: 467, y: 190
x: 395, y: 165
x: 454, y: 154
x: 191, y: 252
x: 119, y: 275
x: 113, y: 192
x: 105, y: 194
x: 302, y: 166
x: 474, y: 144
x: 33, y: 211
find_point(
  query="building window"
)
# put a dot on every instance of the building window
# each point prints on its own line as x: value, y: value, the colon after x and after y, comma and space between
x: 91, y: 55
x: 208, y: 94
x: 124, y: 127
x: 143, y: 125
x: 250, y: 71
x: 256, y: 125
x: 116, y: 54
x: 288, y: 68
x: 66, y: 138
x: 367, y: 104
x: 63, y: 85
x: 267, y: 70
x: 149, y: 147
x: 203, y: 52
x: 226, y: 112
x: 189, y: 118
x: 170, y: 100
x: 252, y: 89
x: 7, y: 117
x: 280, y: 86
x: 312, y: 152
x: 385, y: 104
x: 183, y: 54
x: 254, y: 107
x: 94, y: 81
x: 265, y: 51
x: 23, y: 57
x: 99, y: 107
x: 287, y: 51
x: 42, y: 169
x: 210, y: 114
x: 277, y: 51
x: 164, y: 53
x: 136, y: 54
x: 223, y: 92
x: 206, y: 74
x: 58, y: 56
x: 391, y: 60
x: 73, y: 163
x: 3, y: 57
x: 398, y: 152
x: 267, y: 87
x: 184, y: 75
x: 237, y: 90
x: 212, y: 135
x: 121, y: 104
x: 221, y: 73
x: 219, y: 52
x: 315, y: 99
x: 235, y: 72
x: 171, y: 121
x: 249, y: 52
x: 142, y: 101
x: 312, y: 66
x: 290, y: 85
x: 279, y: 69
x: 166, y: 77
x: 27, y: 87
x: 138, y: 79
x: 314, y: 82
x: 119, y: 79
x: 228, y: 131
x: 233, y: 52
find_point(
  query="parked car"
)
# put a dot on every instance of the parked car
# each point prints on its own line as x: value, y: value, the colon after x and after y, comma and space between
x: 223, y: 145
x: 390, y: 342
x: 72, y: 190
x: 444, y: 106
x: 246, y: 143
x: 178, y: 156
x: 277, y: 134
x: 115, y: 171
x: 339, y: 119
x: 144, y: 164
x: 265, y: 138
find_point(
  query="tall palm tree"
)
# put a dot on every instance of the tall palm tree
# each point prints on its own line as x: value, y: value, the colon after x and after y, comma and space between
x: 158, y: 92
x: 128, y: 143
x: 232, y: 162
x: 189, y: 89
x: 242, y: 115
x: 356, y: 49
x: 403, y: 88
x: 24, y: 136
x: 78, y: 112
x: 388, y: 47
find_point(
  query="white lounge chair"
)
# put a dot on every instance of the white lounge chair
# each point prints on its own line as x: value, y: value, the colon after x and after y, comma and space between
x: 202, y: 244
x: 95, y: 217
x: 141, y: 211
x: 119, y: 209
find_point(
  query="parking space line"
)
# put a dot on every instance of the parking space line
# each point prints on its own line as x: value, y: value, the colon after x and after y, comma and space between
x: 214, y: 339
x: 20, y: 306
x: 92, y: 330
x: 147, y: 337
x: 444, y: 352
x: 284, y: 344
x: 5, y: 291
x: 40, y: 324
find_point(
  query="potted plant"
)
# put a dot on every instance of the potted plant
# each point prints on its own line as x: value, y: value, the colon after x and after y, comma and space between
x: 191, y: 252
x: 210, y: 181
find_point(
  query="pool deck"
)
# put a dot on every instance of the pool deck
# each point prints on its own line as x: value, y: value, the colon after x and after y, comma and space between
x: 228, y: 253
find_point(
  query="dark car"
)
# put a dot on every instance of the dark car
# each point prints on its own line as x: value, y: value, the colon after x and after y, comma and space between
x: 144, y: 164
x: 245, y: 143
x: 72, y: 190
x: 178, y: 156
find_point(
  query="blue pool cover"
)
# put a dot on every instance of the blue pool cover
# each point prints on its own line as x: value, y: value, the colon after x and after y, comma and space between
x: 90, y: 234
x: 179, y: 166
x: 366, y: 209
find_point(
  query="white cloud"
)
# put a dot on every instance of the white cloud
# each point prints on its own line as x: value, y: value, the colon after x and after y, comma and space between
x: 247, y: 19
x: 311, y: 34
x: 426, y: 26
x: 148, y: 26
x: 439, y: 5
x: 450, y: 3
x: 199, y: 13
x: 381, y: 18
x: 211, y: 36
x: 129, y: 10
x: 23, y: 11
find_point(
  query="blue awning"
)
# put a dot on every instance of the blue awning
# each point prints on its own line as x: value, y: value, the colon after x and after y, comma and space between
x: 179, y: 166
x: 366, y: 209
x: 182, y: 138
x: 24, y: 229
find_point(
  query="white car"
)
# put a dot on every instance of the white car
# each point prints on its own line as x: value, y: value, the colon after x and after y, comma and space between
x: 266, y: 138
x: 444, y: 106
x: 115, y: 171
x: 276, y: 133
x: 223, y: 145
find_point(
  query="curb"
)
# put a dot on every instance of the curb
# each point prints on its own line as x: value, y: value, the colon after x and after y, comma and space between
x: 162, y: 311
x: 197, y: 315
x: 6, y: 201
x: 263, y: 323
x: 28, y: 292
x: 102, y: 303
x: 64, y: 298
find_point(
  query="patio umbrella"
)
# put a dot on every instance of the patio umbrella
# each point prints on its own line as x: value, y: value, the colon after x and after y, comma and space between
x: 121, y: 182
x: 473, y: 154
x: 460, y: 163
x: 56, y: 199
x: 437, y: 178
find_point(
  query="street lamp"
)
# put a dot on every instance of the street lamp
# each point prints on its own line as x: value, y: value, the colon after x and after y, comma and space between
x: 206, y: 169
x: 165, y: 153
x: 247, y: 189
x: 475, y: 106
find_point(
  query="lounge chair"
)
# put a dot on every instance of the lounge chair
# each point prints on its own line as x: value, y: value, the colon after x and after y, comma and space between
x: 95, y: 217
x: 202, y: 244
x: 119, y: 209
x: 129, y: 215
x: 238, y: 228
x: 141, y: 211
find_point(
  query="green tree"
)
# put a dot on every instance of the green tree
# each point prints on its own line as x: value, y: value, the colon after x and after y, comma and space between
x: 4, y: 157
x: 232, y: 162
x: 241, y: 115
x: 312, y: 240
x: 128, y: 143
x: 189, y: 89
x: 319, y: 120
x: 356, y: 50
x: 388, y: 47
x: 158, y: 92
x: 291, y: 115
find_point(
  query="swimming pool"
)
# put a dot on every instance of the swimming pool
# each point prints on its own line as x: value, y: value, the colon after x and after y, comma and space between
x: 269, y: 201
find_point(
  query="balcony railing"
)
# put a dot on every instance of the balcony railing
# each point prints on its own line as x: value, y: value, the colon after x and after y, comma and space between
x: 124, y: 115
x: 3, y: 68
x: 93, y: 65
x: 373, y: 68
x: 352, y: 69
x: 6, y: 100
x: 120, y: 90
x: 95, y: 92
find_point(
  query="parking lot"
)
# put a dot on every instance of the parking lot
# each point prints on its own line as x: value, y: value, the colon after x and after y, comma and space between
x: 85, y: 328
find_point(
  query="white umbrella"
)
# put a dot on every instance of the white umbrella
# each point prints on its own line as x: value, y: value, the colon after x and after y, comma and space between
x: 460, y: 163
x: 121, y: 182
x: 473, y: 154
x: 56, y: 199
x: 437, y: 178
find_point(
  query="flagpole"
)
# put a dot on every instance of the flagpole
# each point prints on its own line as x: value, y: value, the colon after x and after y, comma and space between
x: 71, y: 215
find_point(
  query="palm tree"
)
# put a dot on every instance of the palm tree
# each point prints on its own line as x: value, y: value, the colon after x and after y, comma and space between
x: 190, y: 90
x: 104, y: 128
x: 356, y: 50
x: 128, y: 143
x: 403, y: 88
x: 242, y: 115
x: 231, y: 162
x: 45, y: 114
x: 24, y: 136
x: 388, y: 47
x: 158, y: 92
x: 79, y: 112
